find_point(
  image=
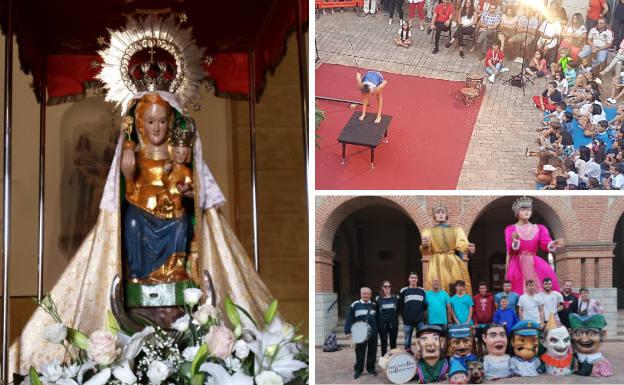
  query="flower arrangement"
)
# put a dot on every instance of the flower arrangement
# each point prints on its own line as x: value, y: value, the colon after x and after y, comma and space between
x: 199, y: 350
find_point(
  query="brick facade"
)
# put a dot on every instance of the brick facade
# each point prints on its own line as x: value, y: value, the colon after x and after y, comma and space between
x: 587, y: 224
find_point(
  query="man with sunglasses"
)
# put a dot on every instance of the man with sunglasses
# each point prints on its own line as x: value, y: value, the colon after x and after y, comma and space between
x: 412, y: 309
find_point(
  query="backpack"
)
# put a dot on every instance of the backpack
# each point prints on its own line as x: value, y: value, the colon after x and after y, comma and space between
x: 331, y: 344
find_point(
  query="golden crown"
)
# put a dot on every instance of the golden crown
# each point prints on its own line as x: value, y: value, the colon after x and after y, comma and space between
x: 183, y: 133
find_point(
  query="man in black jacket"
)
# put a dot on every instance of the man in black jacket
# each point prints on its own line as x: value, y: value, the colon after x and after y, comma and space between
x: 364, y: 310
x: 412, y: 309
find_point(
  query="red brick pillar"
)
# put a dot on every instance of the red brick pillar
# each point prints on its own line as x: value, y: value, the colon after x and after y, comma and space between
x: 324, y: 262
x: 586, y: 264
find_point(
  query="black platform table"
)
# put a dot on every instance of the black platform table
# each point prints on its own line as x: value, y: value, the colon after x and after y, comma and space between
x: 365, y: 133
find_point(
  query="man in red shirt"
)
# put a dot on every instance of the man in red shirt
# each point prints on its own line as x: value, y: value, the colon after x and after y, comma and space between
x: 484, y: 307
x: 442, y: 19
x: 494, y: 61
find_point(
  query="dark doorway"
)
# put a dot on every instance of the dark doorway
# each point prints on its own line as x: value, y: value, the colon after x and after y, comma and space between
x: 488, y: 235
x: 373, y: 244
x: 618, y: 262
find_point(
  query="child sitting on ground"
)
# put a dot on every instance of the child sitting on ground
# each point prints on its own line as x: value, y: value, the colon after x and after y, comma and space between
x: 559, y: 113
x: 404, y: 39
x: 494, y: 61
x: 537, y: 66
x: 549, y: 99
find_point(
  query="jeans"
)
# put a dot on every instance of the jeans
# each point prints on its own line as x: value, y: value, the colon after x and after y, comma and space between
x: 617, y: 63
x: 601, y: 56
x: 370, y: 5
x: 429, y: 5
x: 461, y: 32
x: 392, y: 4
x: 440, y: 27
x: 407, y: 330
x: 482, y: 39
x: 490, y: 71
x: 388, y: 330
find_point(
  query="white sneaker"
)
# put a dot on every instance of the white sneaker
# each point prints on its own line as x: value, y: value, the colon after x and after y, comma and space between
x: 491, y: 78
x: 504, y: 69
x: 401, y: 22
x: 390, y: 22
x: 611, y: 100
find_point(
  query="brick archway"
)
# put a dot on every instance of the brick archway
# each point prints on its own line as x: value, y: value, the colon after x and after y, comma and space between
x: 556, y: 212
x: 332, y: 210
x: 610, y: 220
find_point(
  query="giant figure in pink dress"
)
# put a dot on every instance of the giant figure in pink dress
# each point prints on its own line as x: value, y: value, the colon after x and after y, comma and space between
x: 523, y: 240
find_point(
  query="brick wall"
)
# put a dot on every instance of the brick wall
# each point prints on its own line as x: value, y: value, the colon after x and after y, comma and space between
x: 587, y: 225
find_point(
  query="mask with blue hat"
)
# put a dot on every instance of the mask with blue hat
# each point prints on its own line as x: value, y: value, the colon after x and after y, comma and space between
x: 458, y: 374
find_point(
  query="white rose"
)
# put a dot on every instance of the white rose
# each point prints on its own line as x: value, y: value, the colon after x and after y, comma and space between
x: 102, y: 347
x: 204, y: 312
x: 182, y: 323
x: 242, y: 350
x: 124, y: 374
x: 269, y: 378
x: 190, y: 353
x: 192, y: 296
x: 157, y: 372
x: 55, y: 333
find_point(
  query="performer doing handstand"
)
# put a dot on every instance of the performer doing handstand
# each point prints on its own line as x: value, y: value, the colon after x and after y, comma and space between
x: 371, y: 84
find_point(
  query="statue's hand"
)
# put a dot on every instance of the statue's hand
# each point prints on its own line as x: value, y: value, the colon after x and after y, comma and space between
x: 168, y: 166
x: 426, y: 242
x: 515, y: 236
x: 128, y: 164
x: 559, y: 243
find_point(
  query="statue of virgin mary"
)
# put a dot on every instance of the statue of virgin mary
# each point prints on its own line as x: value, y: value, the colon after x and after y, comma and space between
x: 159, y: 221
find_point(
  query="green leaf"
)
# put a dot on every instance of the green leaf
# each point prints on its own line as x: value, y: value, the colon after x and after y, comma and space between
x: 111, y: 323
x: 185, y: 369
x: 270, y: 313
x: 246, y: 313
x: 199, y: 359
x: 197, y: 379
x: 231, y: 312
x: 77, y: 338
x: 34, y: 377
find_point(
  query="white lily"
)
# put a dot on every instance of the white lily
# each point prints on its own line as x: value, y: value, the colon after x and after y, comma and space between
x: 99, y: 379
x: 190, y: 353
x: 182, y: 323
x: 51, y: 372
x: 132, y: 345
x: 219, y: 376
x: 272, y: 352
x: 66, y: 381
x: 71, y: 371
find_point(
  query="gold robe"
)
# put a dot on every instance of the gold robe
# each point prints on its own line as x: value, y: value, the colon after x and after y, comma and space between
x: 443, y: 262
x: 82, y: 292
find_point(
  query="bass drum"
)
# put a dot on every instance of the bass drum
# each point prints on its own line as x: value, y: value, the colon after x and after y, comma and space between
x: 399, y: 366
x: 360, y: 332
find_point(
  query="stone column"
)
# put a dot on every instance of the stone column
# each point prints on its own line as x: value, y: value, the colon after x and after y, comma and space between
x: 425, y: 270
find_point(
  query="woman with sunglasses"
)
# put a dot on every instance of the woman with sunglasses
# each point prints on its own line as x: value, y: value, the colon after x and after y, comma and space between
x: 387, y: 304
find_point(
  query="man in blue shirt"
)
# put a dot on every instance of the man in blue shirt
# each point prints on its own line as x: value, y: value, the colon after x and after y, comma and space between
x: 512, y: 296
x: 438, y: 305
x: 461, y: 305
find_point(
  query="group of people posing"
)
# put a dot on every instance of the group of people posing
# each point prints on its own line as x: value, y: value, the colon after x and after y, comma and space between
x: 531, y: 300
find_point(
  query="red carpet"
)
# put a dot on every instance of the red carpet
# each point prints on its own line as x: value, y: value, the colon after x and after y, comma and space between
x: 428, y: 135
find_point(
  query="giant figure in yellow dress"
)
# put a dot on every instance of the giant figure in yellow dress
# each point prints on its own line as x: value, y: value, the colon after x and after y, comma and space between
x: 447, y: 248
x: 157, y: 224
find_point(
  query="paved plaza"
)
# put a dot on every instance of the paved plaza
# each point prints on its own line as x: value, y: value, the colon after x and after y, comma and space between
x: 337, y: 368
x: 506, y: 123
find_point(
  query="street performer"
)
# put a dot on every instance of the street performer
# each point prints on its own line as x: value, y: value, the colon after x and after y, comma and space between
x: 364, y: 310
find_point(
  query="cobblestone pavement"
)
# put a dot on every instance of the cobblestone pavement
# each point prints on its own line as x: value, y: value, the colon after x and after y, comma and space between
x: 506, y: 123
x: 337, y: 367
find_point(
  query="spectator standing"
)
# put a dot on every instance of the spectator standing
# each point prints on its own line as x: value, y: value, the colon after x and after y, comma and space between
x: 438, y: 305
x: 512, y: 296
x: 588, y: 307
x: 398, y: 5
x: 595, y: 10
x: 412, y: 309
x: 570, y: 301
x: 552, y: 300
x: 413, y: 6
x: 530, y: 306
x: 388, y: 319
x: 461, y: 305
x: 484, y: 306
x: 505, y: 315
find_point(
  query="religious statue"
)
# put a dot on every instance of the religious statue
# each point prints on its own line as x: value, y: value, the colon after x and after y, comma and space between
x: 496, y: 362
x: 159, y: 223
x: 587, y: 335
x: 458, y: 373
x: 460, y: 344
x: 431, y: 366
x: 447, y: 248
x: 523, y: 240
x: 558, y: 359
x: 524, y: 341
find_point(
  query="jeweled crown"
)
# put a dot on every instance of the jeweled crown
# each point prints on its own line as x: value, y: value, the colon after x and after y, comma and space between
x: 184, y: 132
x: 522, y: 202
x: 152, y: 76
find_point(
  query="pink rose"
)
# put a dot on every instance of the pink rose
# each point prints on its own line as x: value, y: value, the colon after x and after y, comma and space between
x: 102, y: 347
x: 220, y: 341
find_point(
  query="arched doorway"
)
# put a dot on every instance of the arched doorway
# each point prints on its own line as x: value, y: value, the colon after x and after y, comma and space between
x: 618, y: 262
x: 373, y: 243
x: 488, y: 234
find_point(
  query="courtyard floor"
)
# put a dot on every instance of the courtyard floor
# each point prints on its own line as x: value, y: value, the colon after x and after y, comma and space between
x: 507, y: 119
